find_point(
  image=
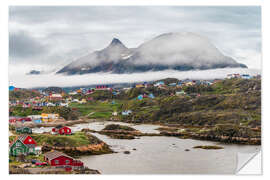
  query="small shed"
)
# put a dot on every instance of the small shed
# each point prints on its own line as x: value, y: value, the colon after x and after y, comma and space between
x: 179, y: 93
x: 38, y: 150
x: 126, y: 113
x: 23, y: 130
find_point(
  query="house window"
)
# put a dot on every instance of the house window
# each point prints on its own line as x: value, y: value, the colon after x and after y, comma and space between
x: 67, y: 161
x: 30, y: 140
x: 18, y: 144
x: 30, y: 150
x: 56, y: 162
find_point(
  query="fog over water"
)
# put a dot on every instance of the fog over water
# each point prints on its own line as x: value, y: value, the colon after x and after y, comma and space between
x: 20, y: 79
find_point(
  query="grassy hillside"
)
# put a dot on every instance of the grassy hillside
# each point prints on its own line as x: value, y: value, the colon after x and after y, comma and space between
x: 235, y: 101
x: 97, y: 109
x: 65, y: 112
x: 22, y: 94
x: 75, y: 140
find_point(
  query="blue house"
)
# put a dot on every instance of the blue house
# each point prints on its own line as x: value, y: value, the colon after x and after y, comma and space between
x: 126, y: 113
x: 172, y: 84
x: 38, y: 121
x: 179, y: 84
x: 11, y: 88
x: 151, y: 96
x: 246, y: 76
x: 140, y: 97
x: 159, y: 83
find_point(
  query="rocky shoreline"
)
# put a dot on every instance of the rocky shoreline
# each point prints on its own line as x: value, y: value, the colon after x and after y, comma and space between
x: 121, y: 134
x: 224, y: 139
x: 93, y: 149
x: 25, y: 169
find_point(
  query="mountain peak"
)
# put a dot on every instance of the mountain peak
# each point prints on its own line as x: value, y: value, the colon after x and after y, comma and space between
x: 178, y: 51
x: 116, y: 41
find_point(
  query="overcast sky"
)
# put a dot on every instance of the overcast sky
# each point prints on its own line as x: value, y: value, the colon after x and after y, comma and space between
x: 54, y: 36
x: 47, y: 38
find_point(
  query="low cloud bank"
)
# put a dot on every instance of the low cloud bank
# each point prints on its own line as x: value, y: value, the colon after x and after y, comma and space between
x: 44, y: 80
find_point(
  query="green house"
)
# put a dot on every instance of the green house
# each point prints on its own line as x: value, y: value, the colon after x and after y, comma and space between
x: 23, y: 130
x: 24, y: 144
x: 18, y: 148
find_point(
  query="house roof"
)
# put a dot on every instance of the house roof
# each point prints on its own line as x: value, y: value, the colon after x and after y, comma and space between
x: 54, y: 154
x: 22, y: 137
x: 15, y: 140
x: 24, y: 127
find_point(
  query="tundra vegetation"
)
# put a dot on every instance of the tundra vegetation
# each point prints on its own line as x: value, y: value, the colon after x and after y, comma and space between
x: 80, y: 143
x: 227, y: 108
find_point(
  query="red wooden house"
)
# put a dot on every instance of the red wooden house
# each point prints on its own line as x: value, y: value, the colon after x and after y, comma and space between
x: 56, y: 158
x: 28, y: 140
x: 24, y: 119
x: 59, y: 159
x: 90, y: 99
x: 145, y: 96
x: 102, y: 87
x: 63, y: 130
x: 55, y: 97
x: 12, y: 119
x: 37, y: 108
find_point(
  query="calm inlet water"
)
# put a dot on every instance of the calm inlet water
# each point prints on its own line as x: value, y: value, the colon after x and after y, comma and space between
x: 162, y: 155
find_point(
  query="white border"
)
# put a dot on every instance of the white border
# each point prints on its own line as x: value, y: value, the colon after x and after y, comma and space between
x: 4, y: 72
x: 137, y: 2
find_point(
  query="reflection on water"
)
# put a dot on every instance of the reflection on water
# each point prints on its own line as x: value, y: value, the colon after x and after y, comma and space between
x: 161, y: 155
x: 97, y: 126
x: 165, y: 155
x: 145, y: 128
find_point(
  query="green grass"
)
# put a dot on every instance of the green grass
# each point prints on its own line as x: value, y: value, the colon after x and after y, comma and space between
x: 75, y: 140
x: 97, y: 109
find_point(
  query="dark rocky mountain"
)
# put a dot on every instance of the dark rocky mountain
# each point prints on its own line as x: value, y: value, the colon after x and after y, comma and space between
x: 176, y: 51
x: 53, y: 90
x: 34, y: 72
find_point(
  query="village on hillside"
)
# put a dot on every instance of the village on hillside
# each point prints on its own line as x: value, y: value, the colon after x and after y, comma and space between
x: 43, y: 139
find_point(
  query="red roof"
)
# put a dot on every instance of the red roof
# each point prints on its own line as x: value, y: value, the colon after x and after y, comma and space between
x: 55, y: 154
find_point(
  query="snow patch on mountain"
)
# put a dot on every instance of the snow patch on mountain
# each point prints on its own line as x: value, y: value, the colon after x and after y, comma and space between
x: 176, y: 51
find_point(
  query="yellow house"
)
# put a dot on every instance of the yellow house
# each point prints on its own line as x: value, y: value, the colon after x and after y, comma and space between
x: 139, y: 85
x: 63, y: 94
x: 189, y: 84
x: 44, y: 117
x: 49, y: 117
x: 83, y: 101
